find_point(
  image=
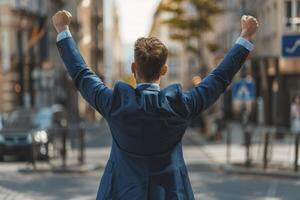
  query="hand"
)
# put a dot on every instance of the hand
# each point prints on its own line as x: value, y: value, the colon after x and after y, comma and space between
x: 61, y: 20
x: 249, y: 26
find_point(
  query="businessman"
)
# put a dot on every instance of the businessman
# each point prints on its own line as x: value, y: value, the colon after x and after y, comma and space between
x: 147, y: 123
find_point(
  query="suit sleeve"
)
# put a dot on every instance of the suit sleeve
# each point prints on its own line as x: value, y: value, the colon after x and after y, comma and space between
x: 209, y: 90
x: 86, y: 81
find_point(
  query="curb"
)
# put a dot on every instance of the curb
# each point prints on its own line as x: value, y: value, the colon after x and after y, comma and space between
x: 64, y: 170
x: 231, y: 169
x: 240, y: 170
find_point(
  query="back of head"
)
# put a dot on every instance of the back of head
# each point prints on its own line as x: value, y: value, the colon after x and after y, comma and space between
x: 150, y: 55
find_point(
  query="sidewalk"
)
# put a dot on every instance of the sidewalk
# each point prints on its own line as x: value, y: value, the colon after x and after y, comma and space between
x: 281, y: 164
x: 215, y: 155
x: 97, y: 148
x: 95, y: 160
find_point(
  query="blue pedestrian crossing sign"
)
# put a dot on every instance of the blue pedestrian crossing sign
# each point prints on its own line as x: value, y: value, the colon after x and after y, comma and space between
x: 291, y: 46
x: 244, y: 90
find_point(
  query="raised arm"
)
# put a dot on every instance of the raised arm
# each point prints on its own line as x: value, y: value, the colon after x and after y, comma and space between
x: 87, y: 82
x: 209, y: 90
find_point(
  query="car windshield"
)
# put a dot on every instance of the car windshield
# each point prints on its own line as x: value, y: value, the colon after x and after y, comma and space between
x: 19, y: 119
x: 43, y: 118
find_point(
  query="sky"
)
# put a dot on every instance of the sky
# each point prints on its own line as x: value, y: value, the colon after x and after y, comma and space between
x: 136, y: 18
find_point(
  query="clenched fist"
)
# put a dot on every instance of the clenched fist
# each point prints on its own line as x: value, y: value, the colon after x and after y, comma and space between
x: 249, y: 26
x: 61, y: 20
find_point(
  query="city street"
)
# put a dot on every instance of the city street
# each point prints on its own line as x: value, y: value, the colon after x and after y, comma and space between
x: 67, y: 65
x: 209, y: 183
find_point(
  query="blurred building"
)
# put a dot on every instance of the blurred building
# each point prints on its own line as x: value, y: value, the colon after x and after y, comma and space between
x: 32, y: 73
x: 100, y: 43
x: 276, y: 76
x: 16, y: 28
x: 113, y: 54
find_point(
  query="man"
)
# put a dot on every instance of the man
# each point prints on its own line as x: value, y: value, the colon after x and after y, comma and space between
x: 147, y: 124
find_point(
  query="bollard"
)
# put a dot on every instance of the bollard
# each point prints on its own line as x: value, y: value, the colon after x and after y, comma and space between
x: 64, y: 147
x: 296, y: 152
x: 228, y: 146
x: 248, y: 145
x: 81, y: 156
x: 33, y: 155
x: 266, y: 146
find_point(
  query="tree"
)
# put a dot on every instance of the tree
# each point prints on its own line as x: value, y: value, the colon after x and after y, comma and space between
x: 189, y: 20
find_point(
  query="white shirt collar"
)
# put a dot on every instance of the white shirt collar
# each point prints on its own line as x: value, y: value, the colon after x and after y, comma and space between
x: 152, y: 84
x: 149, y: 86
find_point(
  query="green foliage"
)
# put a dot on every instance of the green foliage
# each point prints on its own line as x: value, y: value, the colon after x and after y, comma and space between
x: 192, y: 49
x: 213, y: 47
x: 190, y: 18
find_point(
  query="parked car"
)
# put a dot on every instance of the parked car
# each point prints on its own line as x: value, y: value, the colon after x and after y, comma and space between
x: 33, y: 134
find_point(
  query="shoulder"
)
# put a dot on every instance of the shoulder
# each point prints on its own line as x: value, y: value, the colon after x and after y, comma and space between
x: 173, y: 90
x: 123, y: 90
x: 174, y: 94
x: 121, y: 85
x: 122, y: 96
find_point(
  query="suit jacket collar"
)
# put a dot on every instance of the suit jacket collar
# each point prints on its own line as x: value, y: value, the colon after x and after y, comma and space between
x: 148, y: 86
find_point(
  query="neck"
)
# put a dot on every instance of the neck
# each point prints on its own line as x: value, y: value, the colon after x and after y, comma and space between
x: 150, y: 82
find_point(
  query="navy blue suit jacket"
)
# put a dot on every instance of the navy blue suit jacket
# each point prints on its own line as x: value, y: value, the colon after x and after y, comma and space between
x: 147, y: 125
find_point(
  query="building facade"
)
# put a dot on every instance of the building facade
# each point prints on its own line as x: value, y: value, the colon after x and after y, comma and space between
x: 32, y: 73
x: 276, y: 76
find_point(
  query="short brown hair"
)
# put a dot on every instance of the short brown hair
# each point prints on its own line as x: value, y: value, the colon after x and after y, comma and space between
x: 150, y: 55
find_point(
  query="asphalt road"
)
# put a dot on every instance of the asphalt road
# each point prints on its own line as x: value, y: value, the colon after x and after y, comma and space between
x: 208, y: 182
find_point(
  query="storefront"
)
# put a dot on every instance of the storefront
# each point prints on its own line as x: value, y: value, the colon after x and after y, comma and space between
x: 278, y: 81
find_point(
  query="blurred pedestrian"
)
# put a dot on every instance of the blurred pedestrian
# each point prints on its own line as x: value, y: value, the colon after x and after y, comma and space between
x: 295, y: 114
x: 221, y: 125
x: 147, y: 124
x: 1, y: 122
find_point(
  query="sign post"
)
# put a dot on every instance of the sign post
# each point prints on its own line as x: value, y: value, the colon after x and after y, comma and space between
x: 245, y: 91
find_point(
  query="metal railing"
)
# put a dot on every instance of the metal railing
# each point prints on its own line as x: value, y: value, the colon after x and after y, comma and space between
x: 268, y: 146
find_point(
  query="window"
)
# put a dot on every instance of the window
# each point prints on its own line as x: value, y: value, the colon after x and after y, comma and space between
x: 275, y: 15
x: 292, y: 13
x: 297, y: 17
x: 173, y: 66
x: 288, y: 13
x: 173, y: 62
